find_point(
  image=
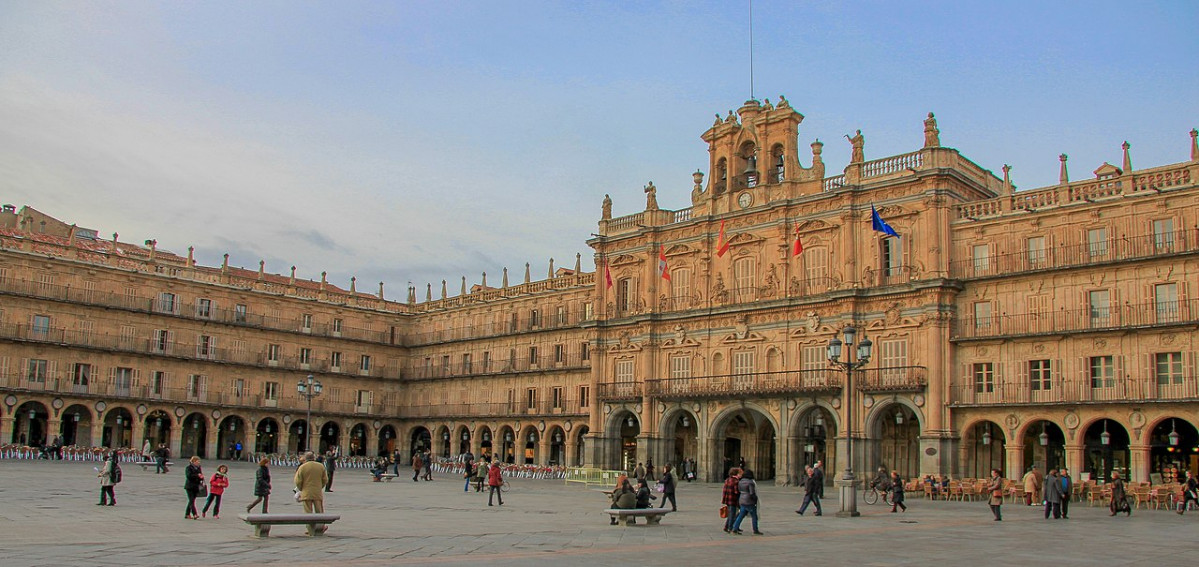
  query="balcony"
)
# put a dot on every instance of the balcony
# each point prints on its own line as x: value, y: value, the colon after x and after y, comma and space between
x: 491, y: 367
x: 787, y: 382
x: 1122, y: 249
x: 1115, y: 317
x: 1074, y: 391
x: 892, y: 379
x: 618, y: 391
x: 481, y: 410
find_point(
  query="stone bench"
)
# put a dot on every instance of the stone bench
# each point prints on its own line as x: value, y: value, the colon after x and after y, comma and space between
x: 262, y: 522
x: 147, y: 464
x: 652, y: 515
x: 385, y: 477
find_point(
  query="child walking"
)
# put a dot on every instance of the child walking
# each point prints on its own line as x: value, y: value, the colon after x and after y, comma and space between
x: 216, y: 487
x: 262, y: 485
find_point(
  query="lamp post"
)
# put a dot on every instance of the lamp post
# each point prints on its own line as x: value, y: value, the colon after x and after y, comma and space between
x: 309, y: 388
x: 849, y: 497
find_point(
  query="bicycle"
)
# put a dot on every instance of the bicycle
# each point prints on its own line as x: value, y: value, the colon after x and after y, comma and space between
x: 504, y: 487
x: 871, y: 494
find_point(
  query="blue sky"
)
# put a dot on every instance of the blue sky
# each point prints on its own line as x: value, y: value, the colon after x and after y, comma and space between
x: 421, y: 141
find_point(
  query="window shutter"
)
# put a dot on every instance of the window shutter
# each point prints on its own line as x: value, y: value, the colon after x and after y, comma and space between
x: 1022, y: 380
x: 1057, y: 377
x: 112, y: 376
x: 136, y: 378
x: 51, y: 371
x: 1149, y: 369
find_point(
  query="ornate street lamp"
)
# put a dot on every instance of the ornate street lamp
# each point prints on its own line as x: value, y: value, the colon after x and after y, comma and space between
x: 849, y: 497
x: 309, y: 388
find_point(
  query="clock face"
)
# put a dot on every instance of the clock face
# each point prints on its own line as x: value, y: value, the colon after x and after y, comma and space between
x: 745, y: 200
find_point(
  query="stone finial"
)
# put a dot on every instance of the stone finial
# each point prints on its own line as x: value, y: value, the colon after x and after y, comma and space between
x: 380, y: 290
x: 1127, y: 158
x: 698, y: 179
x: 114, y: 235
x: 292, y: 280
x: 1194, y: 144
x: 261, y: 269
x: 324, y: 280
x: 463, y: 290
x: 428, y: 292
x: 550, y: 276
x: 225, y: 264
x: 411, y: 294
x: 353, y: 285
x: 527, y: 278
x: 153, y: 244
x: 1063, y: 176
x: 1007, y: 179
x: 443, y: 290
x: 71, y: 236
x: 932, y: 135
x: 484, y: 280
x: 651, y: 197
x: 191, y: 256
x: 578, y: 263
x: 505, y: 284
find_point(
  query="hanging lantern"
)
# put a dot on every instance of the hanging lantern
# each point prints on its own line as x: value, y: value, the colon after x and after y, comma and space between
x: 232, y: 426
x: 532, y: 438
x: 1105, y: 437
x: 819, y: 420
x: 987, y: 437
x: 33, y: 415
x: 630, y: 421
x: 158, y: 422
x: 1173, y: 436
x: 685, y: 421
x: 77, y: 416
x: 268, y: 428
x: 195, y: 423
x: 1044, y: 438
x: 118, y: 418
x: 899, y: 417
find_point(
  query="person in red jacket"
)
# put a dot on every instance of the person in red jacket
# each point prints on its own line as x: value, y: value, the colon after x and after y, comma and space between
x: 495, y: 480
x: 216, y: 487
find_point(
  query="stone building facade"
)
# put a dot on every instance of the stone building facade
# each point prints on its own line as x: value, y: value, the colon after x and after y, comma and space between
x: 1046, y: 327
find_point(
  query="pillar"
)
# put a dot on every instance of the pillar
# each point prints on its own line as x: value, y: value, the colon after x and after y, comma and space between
x: 1015, y: 461
x: 283, y: 440
x: 370, y: 442
x: 98, y: 430
x: 54, y: 428
x: 1138, y: 465
x: 211, y: 446
x: 543, y: 450
x: 1074, y: 460
x: 6, y: 429
x: 175, y: 444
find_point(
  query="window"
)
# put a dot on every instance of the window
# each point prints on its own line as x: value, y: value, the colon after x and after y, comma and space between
x: 584, y: 396
x: 306, y: 322
x: 531, y: 398
x: 305, y: 356
x: 41, y: 326
x: 128, y: 336
x: 585, y: 351
x: 624, y: 370
x: 81, y: 374
x: 816, y: 264
x: 36, y: 371
x: 167, y: 303
x: 984, y: 377
x: 272, y: 353
x: 745, y: 279
x: 981, y: 254
x: 1163, y: 235
x: 239, y: 313
x: 337, y: 324
x: 1165, y: 300
x: 365, y: 365
x: 162, y: 340
x: 534, y: 319
x: 1036, y: 251
x: 892, y: 256
x: 892, y: 359
x: 1100, y: 307
x: 204, y: 308
x: 557, y: 397
x: 515, y: 322
x: 680, y: 288
x: 158, y: 382
x: 487, y: 361
x: 511, y: 400
x: 560, y: 317
x: 680, y: 366
x: 239, y: 388
x: 466, y: 363
x: 743, y: 362
x: 559, y: 354
x: 533, y: 355
x: 335, y: 361
x: 1168, y: 368
x: 1097, y: 242
x: 363, y: 400
x: 982, y: 315
x: 1103, y: 371
x: 270, y: 391
x: 1040, y: 375
x: 206, y: 347
x: 123, y: 380
x: 196, y: 385
x: 624, y: 292
x: 588, y: 311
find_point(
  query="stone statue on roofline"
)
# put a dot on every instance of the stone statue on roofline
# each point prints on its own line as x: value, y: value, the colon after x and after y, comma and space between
x: 651, y: 197
x: 932, y: 136
x: 858, y: 142
x: 607, y: 208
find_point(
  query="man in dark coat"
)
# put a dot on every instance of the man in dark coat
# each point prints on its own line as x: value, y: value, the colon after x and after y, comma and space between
x: 1067, y: 491
x: 330, y: 466
x: 812, y: 487
x: 1053, y: 495
x: 818, y: 472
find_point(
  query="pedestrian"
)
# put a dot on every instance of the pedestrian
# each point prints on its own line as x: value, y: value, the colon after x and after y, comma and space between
x: 109, y: 478
x: 495, y: 480
x: 160, y: 459
x: 1190, y: 492
x: 146, y: 454
x: 193, y: 481
x: 428, y: 465
x: 331, y: 466
x: 811, y: 491
x: 1032, y: 486
x: 897, y: 492
x: 643, y: 494
x: 310, y: 481
x: 262, y: 485
x: 996, y: 489
x: 748, y: 499
x: 1067, y: 491
x: 417, y: 463
x: 1053, y: 495
x: 650, y: 473
x: 216, y: 488
x: 668, y: 485
x: 730, y: 498
x: 639, y: 472
x: 395, y: 462
x: 818, y: 470
x: 1119, y: 501
x: 468, y: 472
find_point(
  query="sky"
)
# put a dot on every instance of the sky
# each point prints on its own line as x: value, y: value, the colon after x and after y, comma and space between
x: 420, y: 141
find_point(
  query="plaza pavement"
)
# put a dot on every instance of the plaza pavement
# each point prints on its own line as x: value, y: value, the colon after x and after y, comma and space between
x: 48, y: 517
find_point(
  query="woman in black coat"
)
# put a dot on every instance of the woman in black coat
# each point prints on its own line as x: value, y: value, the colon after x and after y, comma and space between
x: 897, y: 492
x: 193, y: 479
x: 262, y: 486
x: 668, y: 485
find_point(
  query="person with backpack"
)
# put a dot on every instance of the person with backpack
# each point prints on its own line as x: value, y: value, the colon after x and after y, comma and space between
x: 109, y: 476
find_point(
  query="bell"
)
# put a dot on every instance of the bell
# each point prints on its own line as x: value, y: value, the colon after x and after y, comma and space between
x: 751, y: 166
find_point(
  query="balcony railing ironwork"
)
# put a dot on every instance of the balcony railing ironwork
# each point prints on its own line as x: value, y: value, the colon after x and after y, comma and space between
x: 493, y: 366
x: 1104, y: 318
x: 493, y: 409
x: 892, y: 379
x: 1076, y: 255
x: 1071, y: 391
x: 757, y: 384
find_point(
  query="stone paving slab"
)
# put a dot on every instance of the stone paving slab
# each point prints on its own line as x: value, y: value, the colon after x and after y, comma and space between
x: 48, y: 517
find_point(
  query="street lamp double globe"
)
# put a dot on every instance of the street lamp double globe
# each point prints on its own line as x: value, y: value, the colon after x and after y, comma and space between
x: 309, y: 388
x: 849, y: 498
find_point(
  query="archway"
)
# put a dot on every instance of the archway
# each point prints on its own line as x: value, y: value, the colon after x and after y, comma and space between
x: 557, y: 446
x: 420, y: 441
x: 444, y: 442
x: 77, y: 426
x: 1044, y: 446
x: 530, y: 441
x: 195, y: 436
x: 1174, y: 449
x: 156, y: 429
x: 744, y: 437
x: 29, y: 424
x: 1106, y: 449
x: 507, y: 445
x: 231, y: 438
x: 266, y: 436
x: 680, y: 431
x: 118, y: 428
x: 897, y: 440
x: 485, y: 443
x: 463, y: 437
x: 985, y: 449
x: 628, y: 428
x: 330, y: 436
x: 815, y: 435
x: 357, y: 440
x: 387, y: 440
x: 297, y: 437
x: 581, y: 445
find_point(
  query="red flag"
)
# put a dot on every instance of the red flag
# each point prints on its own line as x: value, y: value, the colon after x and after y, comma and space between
x: 607, y: 275
x: 662, y: 267
x: 722, y: 245
x: 798, y: 248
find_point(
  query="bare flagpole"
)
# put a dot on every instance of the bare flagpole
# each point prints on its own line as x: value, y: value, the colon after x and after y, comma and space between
x: 751, y: 49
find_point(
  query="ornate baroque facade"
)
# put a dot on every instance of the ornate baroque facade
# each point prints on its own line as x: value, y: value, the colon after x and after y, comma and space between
x: 1048, y: 327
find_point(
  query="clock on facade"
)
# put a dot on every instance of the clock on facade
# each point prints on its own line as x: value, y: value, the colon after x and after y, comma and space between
x: 745, y: 200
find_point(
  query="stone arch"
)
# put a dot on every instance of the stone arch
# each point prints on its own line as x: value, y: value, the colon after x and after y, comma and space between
x: 486, y: 441
x: 894, y: 428
x: 195, y: 436
x: 387, y: 440
x: 462, y: 439
x: 77, y: 424
x: 419, y: 439
x: 982, y: 448
x: 812, y: 431
x: 507, y: 439
x: 745, y: 432
x: 30, y: 424
x: 1051, y: 454
x: 679, y: 429
x: 557, y: 437
x: 266, y: 436
x: 580, y: 436
x: 623, y: 429
x: 359, y: 433
x: 230, y: 435
x: 528, y: 446
x: 1101, y: 459
x: 1172, y: 442
x: 330, y: 436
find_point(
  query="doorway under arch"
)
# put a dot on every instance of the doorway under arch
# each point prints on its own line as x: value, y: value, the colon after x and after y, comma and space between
x: 744, y: 438
x: 897, y: 440
x: 985, y: 448
x: 266, y: 436
x: 1106, y: 450
x: 195, y: 436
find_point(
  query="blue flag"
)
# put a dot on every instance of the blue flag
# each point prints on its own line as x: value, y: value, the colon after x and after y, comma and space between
x: 879, y: 224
